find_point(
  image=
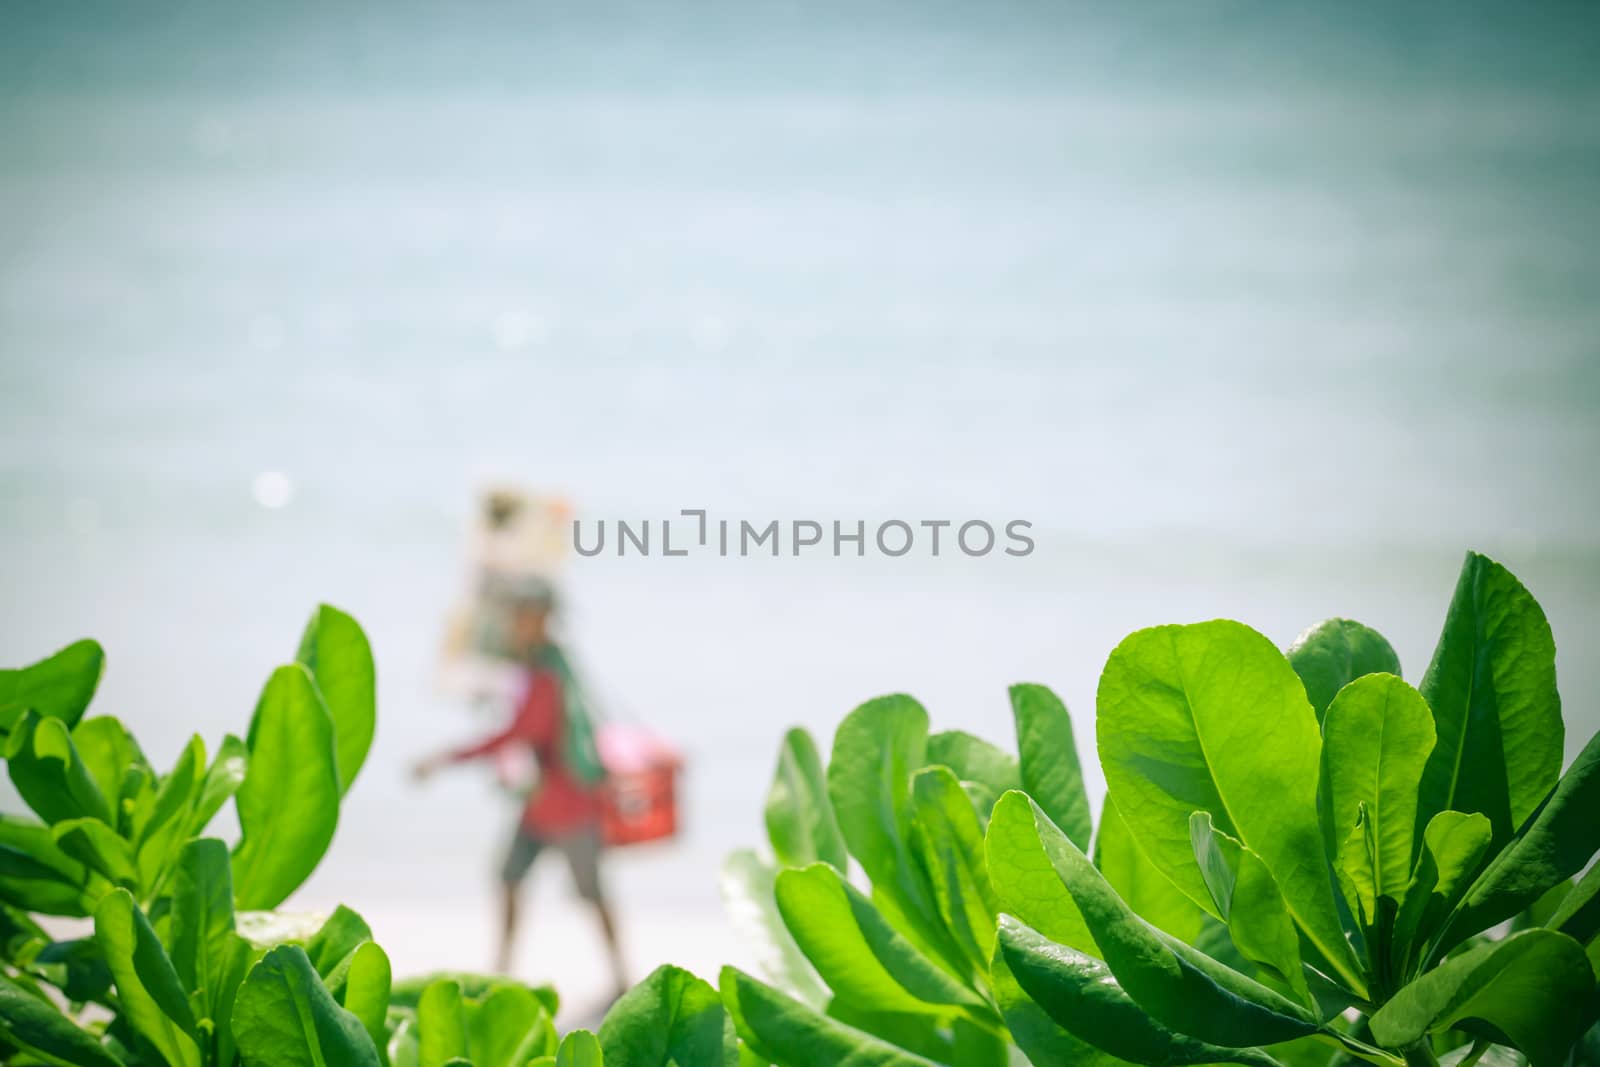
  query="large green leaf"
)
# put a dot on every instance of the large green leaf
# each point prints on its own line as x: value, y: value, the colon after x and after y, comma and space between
x: 152, y: 998
x: 335, y: 651
x: 1532, y: 989
x: 671, y: 1017
x: 1578, y: 915
x: 289, y: 802
x: 35, y: 875
x: 59, y: 686
x: 861, y: 957
x: 283, y: 1017
x: 97, y: 846
x: 334, y: 945
x: 1025, y: 881
x: 167, y: 828
x: 222, y: 780
x: 1179, y: 986
x: 49, y: 774
x: 37, y: 1026
x: 789, y: 1034
x: 1211, y: 717
x: 108, y: 750
x: 975, y: 760
x: 749, y: 899
x: 580, y: 1048
x: 1148, y: 892
x: 875, y: 751
x: 1453, y: 846
x: 1554, y: 845
x: 508, y: 1027
x: 1051, y: 772
x: 441, y: 1024
x: 366, y: 992
x: 200, y: 927
x: 1492, y: 688
x: 949, y: 841
x: 1040, y: 1037
x: 1376, y: 737
x: 1080, y: 994
x: 1334, y: 653
x: 1248, y: 898
x: 800, y: 821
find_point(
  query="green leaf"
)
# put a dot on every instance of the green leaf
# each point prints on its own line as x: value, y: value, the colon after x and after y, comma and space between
x: 289, y: 802
x: 1247, y: 896
x: 875, y: 751
x: 153, y: 999
x: 1526, y: 990
x: 1148, y: 892
x: 749, y: 899
x: 1210, y: 717
x: 1051, y: 772
x: 76, y: 967
x: 1375, y: 740
x: 59, y: 686
x: 1179, y: 986
x: 49, y: 774
x: 1040, y: 1037
x: 789, y: 1034
x: 335, y: 651
x: 366, y: 992
x: 35, y: 875
x: 1555, y: 844
x: 1578, y: 915
x: 1079, y: 993
x: 508, y: 1028
x: 333, y: 946
x: 284, y: 1017
x: 857, y: 952
x: 167, y: 828
x: 671, y: 1017
x: 974, y: 760
x: 201, y: 925
x: 37, y: 1026
x: 1334, y: 653
x: 222, y: 780
x: 1492, y: 688
x: 441, y: 1024
x: 97, y: 846
x: 1453, y: 845
x: 800, y: 822
x: 108, y: 750
x: 950, y: 843
x: 580, y: 1048
x: 1025, y: 881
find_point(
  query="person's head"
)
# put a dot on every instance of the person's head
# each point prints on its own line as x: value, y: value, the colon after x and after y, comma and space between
x: 531, y: 608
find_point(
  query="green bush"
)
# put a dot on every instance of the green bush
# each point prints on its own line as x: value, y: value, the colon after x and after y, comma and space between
x: 1301, y: 860
x: 187, y: 965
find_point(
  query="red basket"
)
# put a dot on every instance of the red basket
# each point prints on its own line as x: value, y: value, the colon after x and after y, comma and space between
x: 640, y: 800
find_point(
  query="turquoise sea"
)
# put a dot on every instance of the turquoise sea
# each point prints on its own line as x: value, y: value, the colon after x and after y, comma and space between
x: 1254, y: 310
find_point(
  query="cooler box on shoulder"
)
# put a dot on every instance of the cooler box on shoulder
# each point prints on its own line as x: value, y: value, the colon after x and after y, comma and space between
x: 640, y: 802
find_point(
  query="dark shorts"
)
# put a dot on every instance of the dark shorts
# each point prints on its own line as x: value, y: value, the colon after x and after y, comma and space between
x: 581, y: 847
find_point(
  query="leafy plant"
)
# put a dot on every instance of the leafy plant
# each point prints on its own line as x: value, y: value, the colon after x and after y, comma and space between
x: 1301, y: 860
x: 188, y: 963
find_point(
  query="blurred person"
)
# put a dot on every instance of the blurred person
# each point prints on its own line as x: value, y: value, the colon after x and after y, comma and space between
x: 562, y: 811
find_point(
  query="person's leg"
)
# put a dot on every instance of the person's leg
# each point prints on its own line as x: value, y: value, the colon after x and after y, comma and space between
x: 583, y: 852
x: 523, y: 851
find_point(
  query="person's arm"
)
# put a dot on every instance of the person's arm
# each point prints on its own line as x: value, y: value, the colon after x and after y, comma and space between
x: 528, y: 725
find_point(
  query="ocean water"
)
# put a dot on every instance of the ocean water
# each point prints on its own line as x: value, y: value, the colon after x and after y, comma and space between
x: 1258, y: 311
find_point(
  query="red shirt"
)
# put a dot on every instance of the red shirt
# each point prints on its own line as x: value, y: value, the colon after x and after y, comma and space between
x: 559, y: 804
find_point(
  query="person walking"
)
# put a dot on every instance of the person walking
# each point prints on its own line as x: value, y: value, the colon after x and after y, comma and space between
x: 562, y: 813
